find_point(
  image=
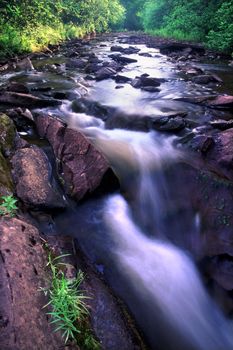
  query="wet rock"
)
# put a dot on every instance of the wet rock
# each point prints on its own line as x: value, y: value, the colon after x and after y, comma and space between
x: 212, y: 101
x: 92, y: 67
x: 181, y: 48
x: 222, y: 124
x: 92, y: 108
x: 26, y: 100
x: 22, y: 118
x: 114, y: 65
x: 150, y: 89
x: 221, y: 155
x: 32, y: 176
x: 220, y: 268
x: 104, y: 73
x: 121, y: 79
x: 145, y: 54
x: 24, y: 323
x: 76, y: 63
x: 168, y: 124
x: 18, y: 87
x: 25, y: 64
x: 144, y: 81
x: 222, y: 102
x: 127, y: 51
x: 81, y: 165
x: 205, y: 79
x: 201, y: 143
x: 122, y: 59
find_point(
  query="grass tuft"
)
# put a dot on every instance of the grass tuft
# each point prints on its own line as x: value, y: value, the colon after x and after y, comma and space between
x: 69, y: 311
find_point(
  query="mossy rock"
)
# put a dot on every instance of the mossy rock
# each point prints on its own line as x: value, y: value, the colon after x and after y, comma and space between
x: 6, y: 184
x: 7, y: 134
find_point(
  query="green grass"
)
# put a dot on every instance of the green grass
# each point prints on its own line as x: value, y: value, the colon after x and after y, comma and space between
x: 69, y: 311
x: 8, y: 206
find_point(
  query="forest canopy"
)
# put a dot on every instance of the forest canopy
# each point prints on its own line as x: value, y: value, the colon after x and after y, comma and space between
x: 29, y: 25
x: 207, y: 21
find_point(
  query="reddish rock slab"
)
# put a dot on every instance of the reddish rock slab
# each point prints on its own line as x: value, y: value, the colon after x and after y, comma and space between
x: 82, y: 166
x: 23, y: 323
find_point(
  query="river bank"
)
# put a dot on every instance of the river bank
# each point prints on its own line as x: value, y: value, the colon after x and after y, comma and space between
x: 129, y: 114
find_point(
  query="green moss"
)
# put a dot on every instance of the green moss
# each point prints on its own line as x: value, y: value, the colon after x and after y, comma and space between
x: 6, y: 184
x: 7, y: 134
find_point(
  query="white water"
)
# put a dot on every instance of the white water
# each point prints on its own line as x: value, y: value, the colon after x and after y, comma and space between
x: 170, y: 289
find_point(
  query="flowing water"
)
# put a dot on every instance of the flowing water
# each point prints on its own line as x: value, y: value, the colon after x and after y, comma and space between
x: 125, y: 235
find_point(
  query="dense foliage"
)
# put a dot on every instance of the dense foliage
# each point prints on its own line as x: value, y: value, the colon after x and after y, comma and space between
x: 209, y: 21
x: 30, y: 24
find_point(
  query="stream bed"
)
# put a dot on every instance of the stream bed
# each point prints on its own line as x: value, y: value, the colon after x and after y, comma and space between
x: 147, y: 239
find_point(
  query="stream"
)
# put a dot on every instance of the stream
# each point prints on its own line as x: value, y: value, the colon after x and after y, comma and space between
x: 134, y: 237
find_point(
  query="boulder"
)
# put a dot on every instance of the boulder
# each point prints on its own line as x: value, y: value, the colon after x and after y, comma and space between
x: 122, y: 59
x: 127, y: 51
x: 121, y: 79
x: 18, y: 87
x: 146, y: 82
x: 181, y: 48
x: 33, y: 180
x: 76, y: 63
x: 25, y: 64
x: 205, y: 79
x: 26, y: 100
x: 168, y: 124
x: 92, y: 108
x: 104, y: 73
x: 22, y: 118
x: 82, y: 166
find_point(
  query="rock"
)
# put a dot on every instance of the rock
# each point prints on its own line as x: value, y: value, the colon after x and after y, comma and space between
x: 7, y: 135
x: 221, y: 270
x: 92, y: 108
x: 205, y: 79
x: 24, y: 323
x: 25, y: 64
x: 26, y: 100
x: 168, y: 124
x: 201, y: 143
x: 220, y: 156
x: 121, y: 79
x: 150, y: 89
x: 221, y: 102
x: 22, y: 118
x: 128, y: 51
x: 18, y: 87
x: 145, y: 81
x: 181, y: 48
x: 222, y: 124
x: 32, y: 176
x: 145, y: 54
x: 114, y: 65
x: 122, y: 59
x: 104, y: 73
x: 82, y: 166
x: 6, y: 183
x: 76, y: 63
x: 212, y: 101
x: 92, y: 67
x: 7, y: 145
